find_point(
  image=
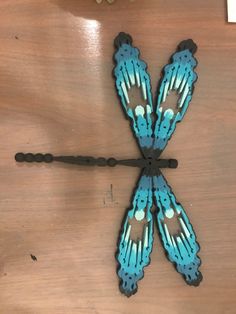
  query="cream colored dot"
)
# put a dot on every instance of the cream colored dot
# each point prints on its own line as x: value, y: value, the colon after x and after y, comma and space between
x: 169, y: 213
x: 139, y: 111
x: 139, y: 215
x: 169, y: 113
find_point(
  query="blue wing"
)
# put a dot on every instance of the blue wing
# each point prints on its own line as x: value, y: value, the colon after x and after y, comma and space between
x: 180, y: 245
x: 130, y: 72
x: 134, y: 254
x: 178, y: 76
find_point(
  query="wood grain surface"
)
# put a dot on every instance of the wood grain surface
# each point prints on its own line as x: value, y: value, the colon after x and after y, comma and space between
x: 57, y: 95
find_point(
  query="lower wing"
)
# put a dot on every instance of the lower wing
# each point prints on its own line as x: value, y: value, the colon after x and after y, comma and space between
x: 134, y: 253
x: 180, y: 244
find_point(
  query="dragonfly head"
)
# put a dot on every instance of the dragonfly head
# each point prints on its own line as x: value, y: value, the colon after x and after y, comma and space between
x: 153, y: 163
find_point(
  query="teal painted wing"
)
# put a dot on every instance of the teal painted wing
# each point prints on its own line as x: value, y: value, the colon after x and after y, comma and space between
x: 180, y: 245
x: 178, y: 76
x: 130, y: 73
x: 134, y: 254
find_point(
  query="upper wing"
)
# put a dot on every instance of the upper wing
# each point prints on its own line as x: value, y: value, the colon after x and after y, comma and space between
x: 134, y: 254
x: 130, y: 72
x: 178, y: 76
x: 180, y: 243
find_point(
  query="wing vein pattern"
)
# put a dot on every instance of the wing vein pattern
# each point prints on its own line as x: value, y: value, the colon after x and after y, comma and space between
x: 134, y: 254
x: 178, y: 76
x: 180, y: 245
x: 131, y: 72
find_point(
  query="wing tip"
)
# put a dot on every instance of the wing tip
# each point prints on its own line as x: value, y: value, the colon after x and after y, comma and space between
x: 127, y: 293
x: 122, y: 38
x: 188, y: 44
x: 129, y: 281
x: 196, y: 282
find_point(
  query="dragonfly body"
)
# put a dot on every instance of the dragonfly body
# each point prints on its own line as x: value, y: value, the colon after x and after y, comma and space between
x: 153, y: 126
x: 149, y: 163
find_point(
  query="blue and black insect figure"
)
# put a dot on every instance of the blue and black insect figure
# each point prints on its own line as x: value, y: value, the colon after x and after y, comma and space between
x: 152, y: 126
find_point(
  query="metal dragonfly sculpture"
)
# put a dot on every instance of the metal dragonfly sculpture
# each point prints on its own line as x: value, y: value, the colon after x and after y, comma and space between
x: 152, y: 127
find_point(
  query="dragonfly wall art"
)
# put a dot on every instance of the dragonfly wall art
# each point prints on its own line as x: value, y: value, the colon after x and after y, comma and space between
x: 152, y: 126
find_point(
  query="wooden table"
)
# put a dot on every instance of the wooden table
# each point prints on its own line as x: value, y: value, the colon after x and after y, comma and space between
x: 57, y: 95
